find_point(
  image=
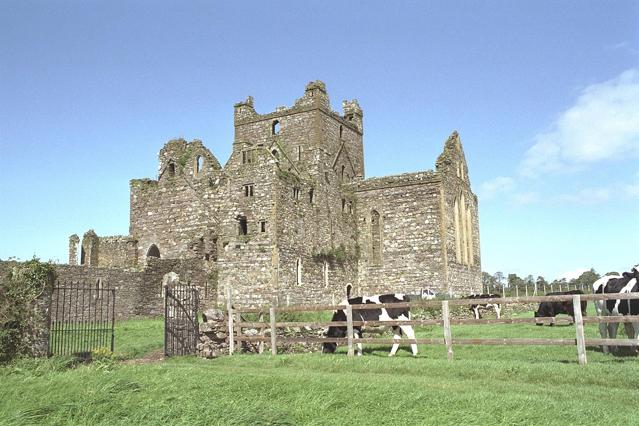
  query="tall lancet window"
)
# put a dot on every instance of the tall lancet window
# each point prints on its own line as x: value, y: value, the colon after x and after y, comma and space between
x: 376, y: 239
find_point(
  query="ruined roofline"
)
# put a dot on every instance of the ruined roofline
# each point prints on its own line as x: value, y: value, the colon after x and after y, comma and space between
x: 315, y: 98
x: 404, y: 179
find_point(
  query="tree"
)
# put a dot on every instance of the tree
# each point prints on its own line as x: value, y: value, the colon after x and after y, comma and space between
x: 487, y: 280
x: 514, y: 281
x: 541, y: 283
x: 586, y: 279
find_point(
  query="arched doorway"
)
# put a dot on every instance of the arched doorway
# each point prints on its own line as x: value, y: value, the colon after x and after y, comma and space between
x: 153, y: 251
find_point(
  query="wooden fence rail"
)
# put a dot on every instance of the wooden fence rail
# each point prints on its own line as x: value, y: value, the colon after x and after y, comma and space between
x: 236, y: 324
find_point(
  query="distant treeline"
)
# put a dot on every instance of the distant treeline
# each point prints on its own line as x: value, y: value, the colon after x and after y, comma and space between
x: 512, y: 283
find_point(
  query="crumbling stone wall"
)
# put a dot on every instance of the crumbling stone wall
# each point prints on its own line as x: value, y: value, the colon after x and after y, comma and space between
x: 139, y: 292
x: 178, y: 211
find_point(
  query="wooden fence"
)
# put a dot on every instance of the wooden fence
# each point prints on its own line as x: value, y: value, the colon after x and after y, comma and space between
x: 236, y: 324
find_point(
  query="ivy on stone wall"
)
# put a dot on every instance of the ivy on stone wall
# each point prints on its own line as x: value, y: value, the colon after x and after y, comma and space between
x: 20, y: 318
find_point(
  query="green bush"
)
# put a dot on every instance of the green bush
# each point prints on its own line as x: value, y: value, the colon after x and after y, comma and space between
x: 20, y: 320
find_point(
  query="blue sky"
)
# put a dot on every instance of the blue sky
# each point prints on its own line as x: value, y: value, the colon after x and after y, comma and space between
x: 545, y: 95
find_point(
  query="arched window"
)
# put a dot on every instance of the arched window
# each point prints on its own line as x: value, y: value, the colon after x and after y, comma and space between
x: 341, y: 131
x: 298, y: 271
x: 343, y: 168
x: 276, y: 127
x: 457, y: 231
x: 199, y: 162
x: 349, y: 290
x: 275, y: 154
x: 242, y: 225
x: 325, y: 274
x: 171, y: 169
x: 153, y: 251
x: 376, y: 239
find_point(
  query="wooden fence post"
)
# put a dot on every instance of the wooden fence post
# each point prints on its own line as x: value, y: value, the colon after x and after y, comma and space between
x: 229, y: 311
x: 260, y: 344
x: 273, y: 334
x: 579, y: 328
x: 447, y: 334
x: 238, y: 328
x: 349, y: 329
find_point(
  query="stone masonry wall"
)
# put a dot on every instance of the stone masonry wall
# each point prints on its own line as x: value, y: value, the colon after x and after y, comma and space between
x: 411, y: 247
x: 178, y: 211
x: 138, y: 292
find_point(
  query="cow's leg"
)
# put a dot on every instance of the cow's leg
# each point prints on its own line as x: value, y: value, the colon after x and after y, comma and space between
x: 476, y: 312
x: 357, y: 335
x: 603, y: 332
x: 612, y: 333
x: 396, y: 335
x: 498, y: 310
x: 631, y: 332
x: 603, y: 326
x: 410, y: 334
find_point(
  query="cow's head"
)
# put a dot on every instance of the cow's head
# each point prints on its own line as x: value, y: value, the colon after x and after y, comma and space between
x: 543, y: 311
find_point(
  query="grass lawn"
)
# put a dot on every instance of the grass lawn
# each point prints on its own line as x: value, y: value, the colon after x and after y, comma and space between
x: 483, y: 385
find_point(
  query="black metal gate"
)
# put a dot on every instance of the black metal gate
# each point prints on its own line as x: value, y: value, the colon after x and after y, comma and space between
x: 82, y: 319
x: 180, y: 320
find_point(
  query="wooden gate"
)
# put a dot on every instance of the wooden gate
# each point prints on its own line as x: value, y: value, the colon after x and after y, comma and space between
x: 180, y: 320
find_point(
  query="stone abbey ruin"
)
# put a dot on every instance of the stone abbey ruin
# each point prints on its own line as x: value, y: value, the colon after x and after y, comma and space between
x: 290, y: 218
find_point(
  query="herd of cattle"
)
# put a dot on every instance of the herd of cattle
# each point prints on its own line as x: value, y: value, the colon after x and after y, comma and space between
x: 627, y: 282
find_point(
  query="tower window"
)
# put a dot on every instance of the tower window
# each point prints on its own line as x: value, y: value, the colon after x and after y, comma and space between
x: 247, y: 157
x: 296, y: 193
x: 171, y: 169
x: 199, y: 162
x: 341, y: 131
x: 343, y: 205
x: 376, y: 239
x: 276, y: 127
x: 311, y: 196
x: 298, y: 271
x: 262, y: 226
x: 299, y: 152
x: 275, y: 154
x: 248, y: 190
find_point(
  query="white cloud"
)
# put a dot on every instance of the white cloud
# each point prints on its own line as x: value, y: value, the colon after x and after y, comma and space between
x: 492, y: 188
x: 587, y: 196
x: 602, y: 125
x: 526, y: 198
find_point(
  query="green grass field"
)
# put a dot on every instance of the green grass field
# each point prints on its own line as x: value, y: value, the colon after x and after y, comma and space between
x: 483, y: 385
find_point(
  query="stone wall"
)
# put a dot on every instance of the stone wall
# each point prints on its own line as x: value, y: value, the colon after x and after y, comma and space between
x: 139, y: 292
x: 409, y: 252
x: 177, y: 213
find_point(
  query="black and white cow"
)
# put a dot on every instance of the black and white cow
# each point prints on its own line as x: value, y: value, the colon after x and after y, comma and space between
x: 552, y: 309
x: 382, y: 314
x: 628, y: 282
x: 485, y: 306
x: 428, y: 294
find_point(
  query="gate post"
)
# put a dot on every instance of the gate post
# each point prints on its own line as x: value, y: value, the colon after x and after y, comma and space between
x: 579, y: 329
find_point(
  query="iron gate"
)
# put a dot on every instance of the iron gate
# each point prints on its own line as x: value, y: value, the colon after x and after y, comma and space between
x: 82, y: 319
x: 180, y: 320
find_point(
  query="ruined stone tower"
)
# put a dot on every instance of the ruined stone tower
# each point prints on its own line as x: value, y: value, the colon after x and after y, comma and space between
x: 291, y: 218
